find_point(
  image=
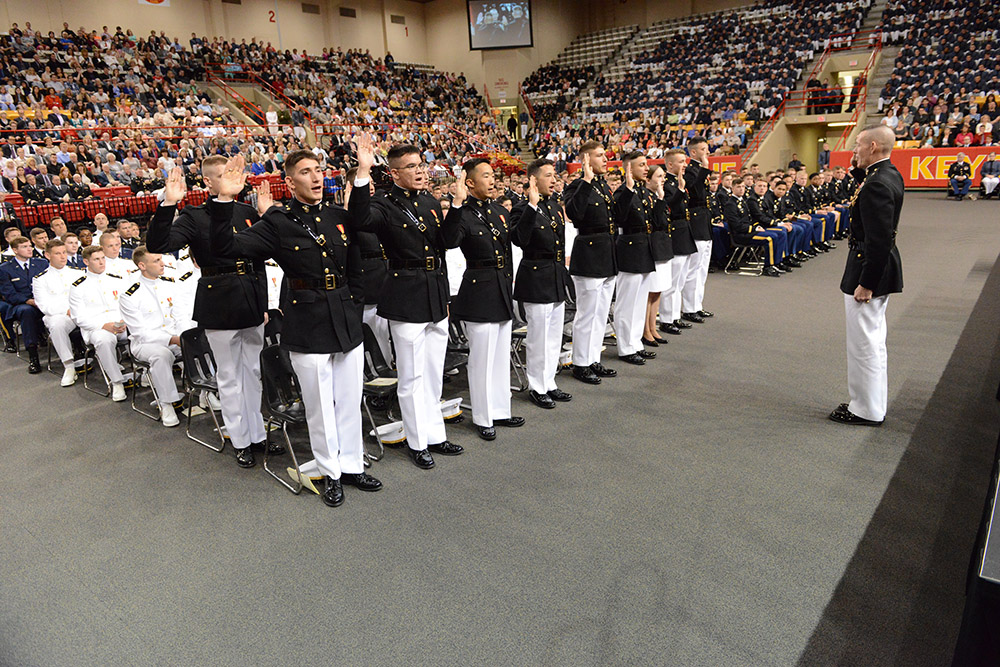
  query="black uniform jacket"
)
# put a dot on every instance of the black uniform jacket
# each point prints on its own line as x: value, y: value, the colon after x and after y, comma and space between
x: 408, y: 225
x: 373, y: 266
x: 322, y: 265
x: 873, y: 260
x: 760, y: 212
x: 482, y: 231
x: 680, y: 226
x: 662, y: 245
x: 634, y: 218
x: 590, y: 208
x: 737, y: 216
x: 541, y: 276
x: 696, y: 181
x: 231, y: 294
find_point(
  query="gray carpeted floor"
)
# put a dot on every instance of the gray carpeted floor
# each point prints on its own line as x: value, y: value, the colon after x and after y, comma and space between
x: 697, y: 511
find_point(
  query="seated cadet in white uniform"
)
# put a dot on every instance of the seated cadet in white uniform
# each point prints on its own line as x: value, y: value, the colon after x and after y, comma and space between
x: 111, y: 245
x: 51, y: 291
x: 93, y: 305
x: 154, y: 335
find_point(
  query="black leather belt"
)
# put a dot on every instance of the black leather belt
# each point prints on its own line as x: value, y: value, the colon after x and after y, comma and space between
x: 240, y: 268
x: 328, y: 282
x: 495, y: 263
x: 372, y: 255
x: 427, y: 264
x: 635, y: 230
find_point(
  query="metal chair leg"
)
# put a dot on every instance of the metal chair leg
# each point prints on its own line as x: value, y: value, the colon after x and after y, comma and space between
x: 137, y: 374
x: 381, y: 448
x: 297, y: 488
x: 48, y: 361
x: 218, y: 429
x: 86, y: 364
x: 520, y: 368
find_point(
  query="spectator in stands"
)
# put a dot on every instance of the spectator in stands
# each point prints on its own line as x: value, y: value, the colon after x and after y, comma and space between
x: 990, y: 175
x: 795, y: 163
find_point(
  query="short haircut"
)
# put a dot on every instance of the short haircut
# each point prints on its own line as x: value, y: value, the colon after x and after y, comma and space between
x: 813, y: 175
x: 90, y: 250
x: 122, y: 224
x: 469, y: 166
x: 293, y: 158
x: 537, y: 165
x: 400, y: 151
x: 59, y: 218
x: 633, y: 155
x: 37, y: 231
x: 697, y: 139
x: 349, y: 177
x: 672, y: 152
x: 140, y: 254
x: 69, y: 234
x: 110, y: 235
x: 589, y: 146
x: 18, y: 240
x: 213, y: 160
x: 54, y: 243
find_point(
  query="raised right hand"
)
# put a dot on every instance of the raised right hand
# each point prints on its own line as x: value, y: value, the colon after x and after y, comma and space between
x: 175, y: 188
x: 588, y: 171
x: 533, y: 195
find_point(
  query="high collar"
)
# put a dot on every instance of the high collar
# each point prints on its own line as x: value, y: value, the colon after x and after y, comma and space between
x: 875, y: 165
x: 306, y: 208
x: 147, y: 281
x: 403, y: 192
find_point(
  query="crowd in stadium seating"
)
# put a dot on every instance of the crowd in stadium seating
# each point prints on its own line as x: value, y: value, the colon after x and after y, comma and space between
x: 944, y: 85
x: 551, y: 88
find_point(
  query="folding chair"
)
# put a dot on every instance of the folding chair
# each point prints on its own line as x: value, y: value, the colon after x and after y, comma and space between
x: 199, y: 375
x: 745, y: 259
x: 283, y: 398
x: 380, y: 384
x: 90, y: 356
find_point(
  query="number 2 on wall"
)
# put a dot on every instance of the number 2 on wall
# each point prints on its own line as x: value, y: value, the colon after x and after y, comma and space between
x: 270, y: 16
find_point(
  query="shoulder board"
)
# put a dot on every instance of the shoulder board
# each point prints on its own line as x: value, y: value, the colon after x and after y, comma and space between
x: 270, y: 262
x: 44, y: 271
x: 167, y: 278
x: 186, y: 275
x: 185, y: 256
x: 75, y: 268
x: 79, y: 280
x: 132, y: 290
x: 115, y: 275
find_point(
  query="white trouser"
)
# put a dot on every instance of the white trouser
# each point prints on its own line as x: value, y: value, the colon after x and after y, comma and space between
x: 59, y: 327
x: 489, y: 370
x: 331, y: 391
x: 104, y: 343
x: 630, y: 311
x: 161, y: 368
x: 593, y: 302
x: 380, y: 327
x: 420, y: 350
x: 670, y: 300
x: 693, y: 292
x: 867, y: 357
x: 237, y: 357
x: 990, y: 183
x: 544, y: 343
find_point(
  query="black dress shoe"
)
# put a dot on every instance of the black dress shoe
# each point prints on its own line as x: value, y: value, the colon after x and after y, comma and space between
x: 650, y: 342
x: 671, y: 328
x: 692, y: 317
x: 333, y: 494
x: 10, y: 348
x: 244, y: 458
x: 831, y: 245
x: 486, y: 432
x: 421, y: 458
x: 34, y: 366
x: 560, y: 395
x: 646, y: 354
x: 793, y: 262
x: 362, y: 480
x: 634, y: 359
x: 541, y: 400
x: 585, y: 374
x: 509, y: 422
x: 848, y: 417
x: 681, y: 324
x: 772, y: 272
x: 705, y: 314
x: 446, y: 448
x: 272, y: 447
x: 601, y: 370
x: 842, y: 408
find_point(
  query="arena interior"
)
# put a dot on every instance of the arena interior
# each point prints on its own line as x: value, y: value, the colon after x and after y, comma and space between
x: 695, y: 503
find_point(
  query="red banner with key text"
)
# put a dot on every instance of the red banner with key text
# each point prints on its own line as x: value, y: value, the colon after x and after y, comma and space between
x: 927, y: 167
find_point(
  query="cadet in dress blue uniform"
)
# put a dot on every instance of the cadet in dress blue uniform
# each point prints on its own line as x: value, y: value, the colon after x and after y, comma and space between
x: 590, y: 208
x: 230, y: 303
x: 745, y: 231
x: 414, y: 296
x: 539, y: 229
x: 16, y: 275
x: 484, y: 302
x: 873, y: 272
x: 321, y: 329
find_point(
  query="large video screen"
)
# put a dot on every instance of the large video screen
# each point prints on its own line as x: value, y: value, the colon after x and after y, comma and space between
x: 500, y: 25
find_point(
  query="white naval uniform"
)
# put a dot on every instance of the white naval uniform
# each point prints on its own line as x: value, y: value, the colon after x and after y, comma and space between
x: 544, y: 343
x: 51, y: 291
x: 120, y: 267
x: 93, y: 302
x: 693, y: 290
x: 186, y: 286
x: 681, y: 266
x: 867, y: 357
x: 147, y: 308
x: 630, y: 310
x: 489, y: 370
x: 593, y: 303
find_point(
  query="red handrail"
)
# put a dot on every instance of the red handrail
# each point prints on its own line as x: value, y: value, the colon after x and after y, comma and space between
x: 527, y: 103
x: 862, y: 100
x: 765, y: 129
x: 244, y: 103
x: 254, y: 79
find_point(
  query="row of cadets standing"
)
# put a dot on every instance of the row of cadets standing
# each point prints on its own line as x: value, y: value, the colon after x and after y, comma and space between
x: 686, y: 259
